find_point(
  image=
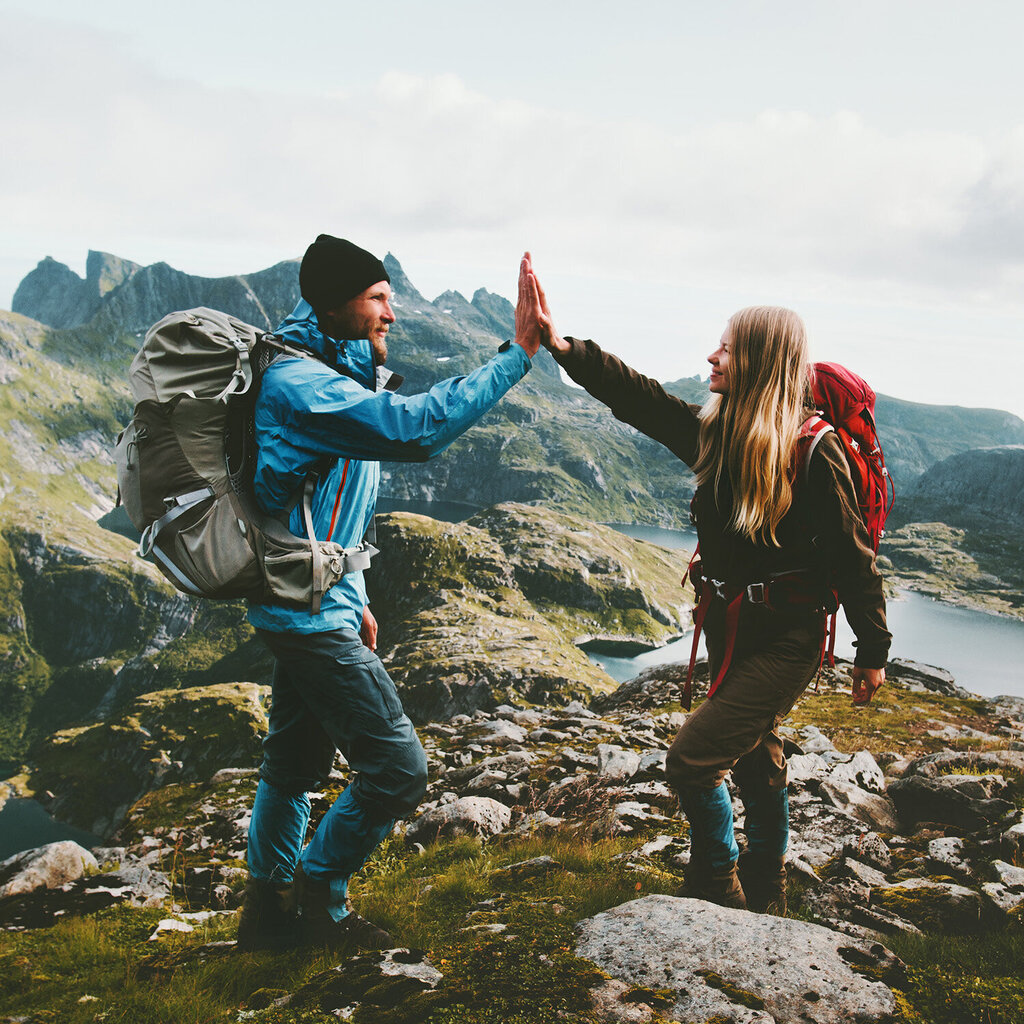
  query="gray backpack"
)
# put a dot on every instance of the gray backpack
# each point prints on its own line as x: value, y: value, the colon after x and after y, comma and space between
x: 185, y: 469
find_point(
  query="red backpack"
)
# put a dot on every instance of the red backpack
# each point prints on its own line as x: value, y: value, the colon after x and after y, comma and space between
x: 845, y: 405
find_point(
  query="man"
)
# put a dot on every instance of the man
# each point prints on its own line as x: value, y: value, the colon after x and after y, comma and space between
x: 330, y: 691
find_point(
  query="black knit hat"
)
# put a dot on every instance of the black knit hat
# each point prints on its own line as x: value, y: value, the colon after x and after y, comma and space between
x: 334, y: 271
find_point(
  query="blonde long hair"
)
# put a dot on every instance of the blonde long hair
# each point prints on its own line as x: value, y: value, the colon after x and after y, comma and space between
x: 749, y: 434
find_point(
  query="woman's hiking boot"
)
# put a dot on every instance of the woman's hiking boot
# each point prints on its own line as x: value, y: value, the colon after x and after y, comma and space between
x: 714, y: 885
x: 318, y: 927
x: 269, y: 918
x: 764, y: 882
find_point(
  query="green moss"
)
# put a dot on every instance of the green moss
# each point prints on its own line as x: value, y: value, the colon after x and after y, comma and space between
x: 734, y: 992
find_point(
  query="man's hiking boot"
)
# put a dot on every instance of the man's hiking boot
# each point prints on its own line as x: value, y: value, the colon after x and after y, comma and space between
x: 720, y: 886
x: 318, y: 927
x: 269, y: 918
x: 764, y: 882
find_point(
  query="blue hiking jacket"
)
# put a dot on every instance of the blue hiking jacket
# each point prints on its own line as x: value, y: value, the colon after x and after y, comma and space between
x: 309, y: 415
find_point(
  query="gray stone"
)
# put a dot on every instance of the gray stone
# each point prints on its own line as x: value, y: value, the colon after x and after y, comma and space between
x: 942, y: 907
x: 870, y: 848
x: 500, y: 734
x: 862, y: 771
x: 45, y: 867
x: 614, y: 1003
x: 616, y: 762
x: 1009, y: 874
x: 870, y: 808
x: 957, y: 800
x: 948, y: 852
x: 805, y: 767
x: 466, y: 816
x: 866, y: 875
x: 786, y: 970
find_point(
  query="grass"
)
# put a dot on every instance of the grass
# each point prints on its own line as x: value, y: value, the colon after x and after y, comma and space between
x: 435, y: 900
x: 956, y: 980
x: 446, y: 901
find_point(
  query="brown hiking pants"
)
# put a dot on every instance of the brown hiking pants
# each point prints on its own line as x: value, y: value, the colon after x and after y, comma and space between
x: 737, y: 729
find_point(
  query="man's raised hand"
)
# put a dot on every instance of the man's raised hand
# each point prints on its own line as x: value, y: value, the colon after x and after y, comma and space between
x: 533, y: 318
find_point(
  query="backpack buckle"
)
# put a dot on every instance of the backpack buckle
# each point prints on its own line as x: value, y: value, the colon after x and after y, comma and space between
x: 757, y: 593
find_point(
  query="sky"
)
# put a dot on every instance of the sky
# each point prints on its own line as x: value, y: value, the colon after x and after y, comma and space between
x: 667, y: 163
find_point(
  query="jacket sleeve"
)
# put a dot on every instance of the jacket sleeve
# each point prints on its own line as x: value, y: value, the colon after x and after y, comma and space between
x: 846, y: 550
x: 328, y: 414
x: 633, y: 398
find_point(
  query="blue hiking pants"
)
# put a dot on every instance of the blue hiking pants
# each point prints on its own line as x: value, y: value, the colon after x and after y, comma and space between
x: 331, y: 693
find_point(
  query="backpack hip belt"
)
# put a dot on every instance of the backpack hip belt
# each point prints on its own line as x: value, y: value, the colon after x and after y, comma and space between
x: 794, y: 588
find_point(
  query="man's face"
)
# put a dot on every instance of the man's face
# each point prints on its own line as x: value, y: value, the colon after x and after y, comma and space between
x: 368, y: 315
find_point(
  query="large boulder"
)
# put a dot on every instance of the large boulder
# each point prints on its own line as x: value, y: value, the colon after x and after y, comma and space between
x: 732, y: 965
x: 46, y: 867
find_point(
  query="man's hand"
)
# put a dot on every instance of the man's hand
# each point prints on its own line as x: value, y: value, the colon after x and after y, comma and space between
x: 866, y: 682
x: 533, y: 318
x: 368, y: 632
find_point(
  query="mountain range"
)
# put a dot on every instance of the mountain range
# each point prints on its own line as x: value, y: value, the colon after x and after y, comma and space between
x: 84, y: 625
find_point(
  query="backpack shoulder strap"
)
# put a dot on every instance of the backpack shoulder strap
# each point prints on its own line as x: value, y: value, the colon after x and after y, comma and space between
x: 814, y: 428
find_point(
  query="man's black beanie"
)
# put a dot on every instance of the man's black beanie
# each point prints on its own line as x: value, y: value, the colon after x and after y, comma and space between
x: 334, y: 271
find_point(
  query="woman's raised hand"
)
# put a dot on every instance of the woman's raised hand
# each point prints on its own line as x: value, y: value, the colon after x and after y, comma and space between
x: 533, y: 318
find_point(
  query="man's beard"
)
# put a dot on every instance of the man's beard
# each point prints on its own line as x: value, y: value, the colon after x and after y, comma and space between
x: 380, y: 350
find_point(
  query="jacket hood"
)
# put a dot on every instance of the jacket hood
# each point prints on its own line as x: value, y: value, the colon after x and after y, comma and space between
x: 353, y: 358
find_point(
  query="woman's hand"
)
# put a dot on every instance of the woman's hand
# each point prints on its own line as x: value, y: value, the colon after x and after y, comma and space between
x: 533, y: 318
x: 866, y: 682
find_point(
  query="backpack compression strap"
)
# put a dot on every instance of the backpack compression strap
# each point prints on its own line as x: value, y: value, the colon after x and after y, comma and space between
x: 148, y: 541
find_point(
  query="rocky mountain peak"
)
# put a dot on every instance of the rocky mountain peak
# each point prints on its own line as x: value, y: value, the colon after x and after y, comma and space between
x: 55, y: 295
x: 402, y: 287
x: 104, y: 272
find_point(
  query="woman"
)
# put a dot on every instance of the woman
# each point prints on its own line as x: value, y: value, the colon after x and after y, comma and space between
x: 757, y: 516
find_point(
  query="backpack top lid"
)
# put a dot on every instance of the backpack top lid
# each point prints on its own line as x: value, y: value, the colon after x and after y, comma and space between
x: 193, y: 352
x: 841, y: 396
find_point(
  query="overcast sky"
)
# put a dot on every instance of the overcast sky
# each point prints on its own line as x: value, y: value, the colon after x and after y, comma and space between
x: 666, y: 162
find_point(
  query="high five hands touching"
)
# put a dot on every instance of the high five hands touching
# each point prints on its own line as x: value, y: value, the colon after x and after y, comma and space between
x: 533, y: 318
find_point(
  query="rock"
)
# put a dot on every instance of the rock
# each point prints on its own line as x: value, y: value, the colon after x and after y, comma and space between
x: 802, y: 768
x: 866, y: 875
x: 381, y: 979
x: 616, y: 762
x: 466, y: 816
x: 948, y: 853
x: 498, y: 734
x: 958, y: 800
x: 872, y: 809
x: 46, y: 867
x: 615, y: 1002
x: 942, y: 907
x: 737, y: 966
x: 928, y: 677
x: 871, y: 848
x: 1013, y: 838
x: 532, y: 868
x: 861, y: 771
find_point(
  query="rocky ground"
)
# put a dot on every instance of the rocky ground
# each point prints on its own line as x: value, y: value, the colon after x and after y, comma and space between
x: 537, y: 882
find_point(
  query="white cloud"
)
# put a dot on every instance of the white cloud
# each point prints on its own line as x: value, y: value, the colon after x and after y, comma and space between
x: 105, y: 152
